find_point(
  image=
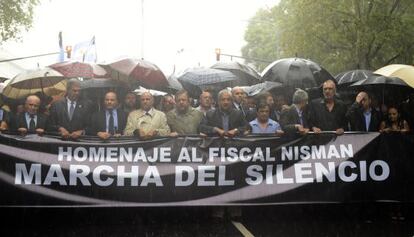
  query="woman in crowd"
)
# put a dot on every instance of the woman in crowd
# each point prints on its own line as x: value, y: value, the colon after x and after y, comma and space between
x: 394, y: 123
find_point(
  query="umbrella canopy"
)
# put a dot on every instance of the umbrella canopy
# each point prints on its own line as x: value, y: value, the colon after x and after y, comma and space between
x: 174, y: 84
x: 80, y: 69
x: 262, y: 87
x: 379, y: 80
x: 197, y: 79
x: 296, y: 73
x: 141, y: 90
x: 247, y: 76
x: 46, y: 80
x: 138, y: 72
x: 404, y: 72
x: 349, y: 77
x: 102, y: 83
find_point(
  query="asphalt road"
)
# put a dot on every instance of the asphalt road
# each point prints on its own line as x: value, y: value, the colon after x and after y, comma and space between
x: 381, y: 219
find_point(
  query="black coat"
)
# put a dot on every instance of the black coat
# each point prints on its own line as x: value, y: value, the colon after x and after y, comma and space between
x: 214, y: 119
x: 320, y: 117
x: 356, y: 119
x: 290, y: 117
x: 98, y: 122
x: 22, y: 123
x: 59, y: 116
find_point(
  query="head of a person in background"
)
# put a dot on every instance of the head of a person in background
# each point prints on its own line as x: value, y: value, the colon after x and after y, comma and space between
x: 262, y: 112
x: 111, y: 100
x: 329, y: 90
x: 147, y: 101
x: 182, y: 101
x: 130, y: 100
x: 251, y: 102
x: 365, y: 100
x: 206, y: 100
x: 266, y: 97
x: 300, y: 98
x: 393, y: 114
x: 167, y: 103
x: 225, y: 100
x: 237, y: 94
x: 32, y: 104
x: 73, y: 89
x: 279, y: 101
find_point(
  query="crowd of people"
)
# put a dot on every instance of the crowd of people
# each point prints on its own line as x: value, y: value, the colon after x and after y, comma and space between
x: 231, y: 114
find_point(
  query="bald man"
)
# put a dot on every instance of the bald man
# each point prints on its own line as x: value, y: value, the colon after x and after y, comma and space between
x: 31, y: 121
x: 328, y: 113
x: 147, y: 122
x: 361, y: 116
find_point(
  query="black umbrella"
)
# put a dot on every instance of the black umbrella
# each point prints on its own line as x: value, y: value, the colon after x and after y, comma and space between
x: 246, y: 75
x: 296, y: 73
x: 378, y: 80
x: 198, y: 79
x: 349, y: 77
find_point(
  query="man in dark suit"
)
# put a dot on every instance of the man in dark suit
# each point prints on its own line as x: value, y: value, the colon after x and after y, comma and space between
x: 328, y: 113
x: 238, y: 95
x: 223, y: 121
x: 361, y: 116
x: 69, y: 116
x: 109, y: 122
x: 293, y: 119
x: 31, y: 121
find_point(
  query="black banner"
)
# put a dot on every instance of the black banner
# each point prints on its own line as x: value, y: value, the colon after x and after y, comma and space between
x: 193, y: 171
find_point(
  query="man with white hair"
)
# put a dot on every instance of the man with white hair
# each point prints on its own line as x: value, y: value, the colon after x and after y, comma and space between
x: 147, y: 122
x: 293, y: 118
x: 31, y: 121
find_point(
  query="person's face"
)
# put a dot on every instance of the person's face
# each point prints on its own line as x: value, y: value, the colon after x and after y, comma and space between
x: 147, y: 101
x: 251, y: 102
x: 111, y: 102
x: 365, y: 101
x: 74, y: 92
x: 279, y: 102
x: 182, y: 103
x: 206, y: 100
x: 270, y: 101
x: 393, y: 114
x: 225, y: 102
x: 302, y: 104
x: 238, y: 94
x: 329, y: 90
x: 32, y: 105
x: 263, y: 114
x: 130, y: 100
x: 168, y: 103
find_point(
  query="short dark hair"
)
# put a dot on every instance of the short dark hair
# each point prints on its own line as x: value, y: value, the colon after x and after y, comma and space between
x: 262, y: 105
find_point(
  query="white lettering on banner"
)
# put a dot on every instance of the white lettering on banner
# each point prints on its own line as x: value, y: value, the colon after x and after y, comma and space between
x: 317, y: 152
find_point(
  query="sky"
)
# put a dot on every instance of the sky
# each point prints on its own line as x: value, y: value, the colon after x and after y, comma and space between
x: 170, y: 33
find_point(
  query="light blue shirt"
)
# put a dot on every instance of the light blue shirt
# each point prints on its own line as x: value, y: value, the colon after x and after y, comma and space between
x: 367, y: 115
x: 1, y: 114
x: 27, y: 115
x: 115, y: 115
x: 272, y: 127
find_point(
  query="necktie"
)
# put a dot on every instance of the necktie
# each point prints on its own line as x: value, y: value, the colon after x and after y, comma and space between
x: 111, y: 127
x: 32, y: 124
x: 71, y: 109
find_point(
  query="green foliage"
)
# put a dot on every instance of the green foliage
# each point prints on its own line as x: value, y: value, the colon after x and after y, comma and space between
x: 15, y: 16
x: 340, y: 35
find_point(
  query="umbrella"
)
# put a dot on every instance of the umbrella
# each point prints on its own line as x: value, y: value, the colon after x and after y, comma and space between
x: 80, y: 69
x: 46, y: 80
x: 262, y: 87
x: 404, y: 72
x: 3, y: 79
x: 138, y: 71
x: 173, y: 83
x: 247, y: 76
x: 296, y: 73
x: 141, y: 90
x: 349, y: 77
x: 197, y: 79
x: 102, y: 83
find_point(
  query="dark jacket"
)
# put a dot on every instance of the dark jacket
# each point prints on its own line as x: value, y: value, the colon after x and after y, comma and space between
x: 98, y: 122
x: 290, y: 117
x: 356, y: 119
x: 22, y: 123
x: 249, y: 114
x: 320, y: 117
x: 59, y: 116
x: 214, y: 119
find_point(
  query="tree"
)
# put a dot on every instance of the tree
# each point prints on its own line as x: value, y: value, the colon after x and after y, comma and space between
x: 15, y: 16
x: 340, y: 35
